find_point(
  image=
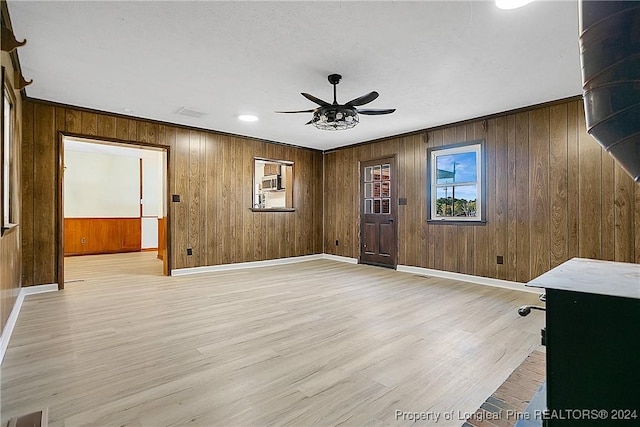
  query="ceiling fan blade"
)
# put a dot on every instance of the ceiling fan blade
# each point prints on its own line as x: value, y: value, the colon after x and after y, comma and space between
x: 376, y: 112
x: 299, y: 111
x: 316, y: 100
x: 364, y: 99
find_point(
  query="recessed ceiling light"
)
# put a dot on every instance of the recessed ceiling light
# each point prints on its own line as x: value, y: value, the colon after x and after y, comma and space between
x: 512, y: 4
x: 128, y: 110
x: 247, y: 118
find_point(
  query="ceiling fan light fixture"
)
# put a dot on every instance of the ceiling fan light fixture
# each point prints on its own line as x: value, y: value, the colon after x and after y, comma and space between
x: 335, y: 118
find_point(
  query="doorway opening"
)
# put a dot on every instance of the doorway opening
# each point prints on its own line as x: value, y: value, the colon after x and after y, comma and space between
x: 112, y: 207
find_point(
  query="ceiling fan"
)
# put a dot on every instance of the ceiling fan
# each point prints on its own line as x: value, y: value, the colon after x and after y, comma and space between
x: 336, y: 116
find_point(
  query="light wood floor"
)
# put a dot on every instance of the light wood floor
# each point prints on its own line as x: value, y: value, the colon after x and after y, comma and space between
x: 314, y: 343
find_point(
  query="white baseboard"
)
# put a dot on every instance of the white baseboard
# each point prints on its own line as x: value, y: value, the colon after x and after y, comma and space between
x: 13, y: 317
x: 486, y: 281
x: 340, y: 258
x: 40, y: 289
x: 243, y: 265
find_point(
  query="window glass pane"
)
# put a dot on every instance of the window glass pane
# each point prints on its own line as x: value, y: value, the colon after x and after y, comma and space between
x: 464, y: 200
x: 376, y: 189
x: 459, y: 167
x: 376, y: 206
x: 457, y: 201
x: 6, y: 161
x: 386, y: 189
x: 376, y: 173
x: 368, y: 190
x: 386, y: 206
x: 368, y: 206
x: 444, y: 202
x: 386, y: 171
x: 368, y: 174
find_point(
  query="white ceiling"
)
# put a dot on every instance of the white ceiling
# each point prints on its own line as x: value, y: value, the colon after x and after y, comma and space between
x: 435, y: 62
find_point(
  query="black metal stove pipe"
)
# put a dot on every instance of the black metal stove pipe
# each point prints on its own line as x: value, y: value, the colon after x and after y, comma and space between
x: 610, y: 56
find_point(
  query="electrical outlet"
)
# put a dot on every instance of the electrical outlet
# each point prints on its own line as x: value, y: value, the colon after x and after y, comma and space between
x: 83, y: 241
x: 500, y: 259
x: 175, y: 197
x: 189, y: 251
x: 336, y: 243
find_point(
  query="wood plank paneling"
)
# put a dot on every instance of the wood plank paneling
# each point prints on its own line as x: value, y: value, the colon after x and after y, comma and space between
x: 193, y: 198
x: 539, y: 200
x: 624, y: 217
x: 27, y: 191
x: 10, y: 246
x: 531, y: 227
x: 572, y: 178
x: 512, y: 202
x: 502, y: 194
x: 122, y: 128
x: 106, y: 126
x: 89, y: 123
x: 484, y: 240
x: 589, y: 193
x: 181, y: 188
x: 558, y: 184
x: 86, y: 236
x: 523, y: 260
x: 212, y: 174
x: 44, y: 195
x: 546, y: 201
x: 73, y: 119
x: 608, y: 196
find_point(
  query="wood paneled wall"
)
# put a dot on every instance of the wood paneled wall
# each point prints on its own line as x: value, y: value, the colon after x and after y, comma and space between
x: 10, y: 241
x: 552, y: 194
x: 212, y: 172
x: 85, y: 236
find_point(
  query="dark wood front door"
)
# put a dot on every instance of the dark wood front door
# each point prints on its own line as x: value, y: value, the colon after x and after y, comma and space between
x: 378, y: 207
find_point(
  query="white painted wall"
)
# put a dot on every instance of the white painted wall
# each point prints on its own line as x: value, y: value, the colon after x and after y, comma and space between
x: 99, y: 185
x: 152, y: 197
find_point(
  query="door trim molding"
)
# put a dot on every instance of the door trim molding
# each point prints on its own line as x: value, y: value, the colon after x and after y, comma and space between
x: 394, y: 205
x: 59, y: 226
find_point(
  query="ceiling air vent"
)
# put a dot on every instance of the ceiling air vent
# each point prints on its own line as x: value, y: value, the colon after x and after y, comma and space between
x: 190, y: 113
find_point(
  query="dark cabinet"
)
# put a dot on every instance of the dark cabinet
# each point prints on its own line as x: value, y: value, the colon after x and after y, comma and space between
x: 593, y: 343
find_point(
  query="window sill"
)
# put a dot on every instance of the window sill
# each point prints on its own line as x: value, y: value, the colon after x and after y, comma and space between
x: 8, y: 228
x: 273, y: 209
x: 456, y: 222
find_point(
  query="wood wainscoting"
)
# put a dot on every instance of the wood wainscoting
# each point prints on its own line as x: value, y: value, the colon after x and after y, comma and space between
x: 162, y: 237
x: 162, y: 244
x: 90, y: 236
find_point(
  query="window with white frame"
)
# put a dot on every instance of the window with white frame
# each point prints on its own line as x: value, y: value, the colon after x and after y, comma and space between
x: 456, y: 183
x: 7, y: 151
